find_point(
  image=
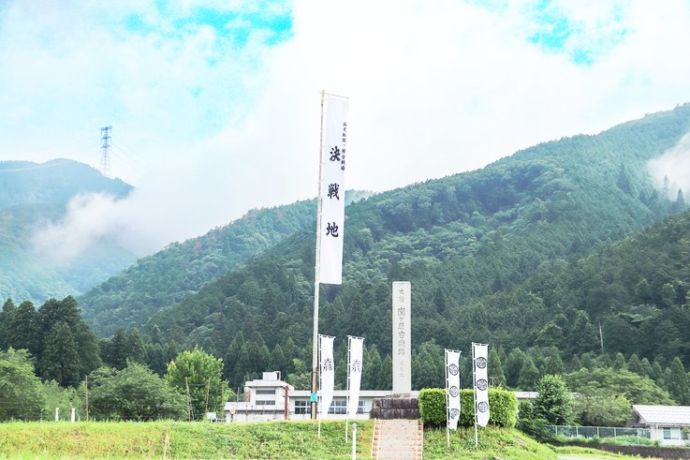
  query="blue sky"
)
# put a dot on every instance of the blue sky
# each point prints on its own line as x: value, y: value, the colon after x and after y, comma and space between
x: 223, y: 95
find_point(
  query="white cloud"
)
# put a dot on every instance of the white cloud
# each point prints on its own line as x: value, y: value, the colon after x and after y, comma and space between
x: 435, y: 88
x: 671, y: 171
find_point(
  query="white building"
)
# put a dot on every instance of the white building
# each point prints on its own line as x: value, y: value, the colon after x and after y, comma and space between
x: 670, y: 425
x: 265, y: 399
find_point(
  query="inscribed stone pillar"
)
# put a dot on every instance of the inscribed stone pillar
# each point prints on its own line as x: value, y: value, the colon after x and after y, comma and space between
x: 402, y: 349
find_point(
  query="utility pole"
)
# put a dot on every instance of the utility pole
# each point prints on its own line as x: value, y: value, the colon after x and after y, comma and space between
x: 189, y: 400
x: 86, y: 390
x: 105, y: 150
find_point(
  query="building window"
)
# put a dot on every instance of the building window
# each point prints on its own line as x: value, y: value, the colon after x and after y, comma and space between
x: 672, y: 433
x: 302, y: 407
x: 338, y: 406
x: 266, y: 402
x: 360, y: 407
x: 270, y: 392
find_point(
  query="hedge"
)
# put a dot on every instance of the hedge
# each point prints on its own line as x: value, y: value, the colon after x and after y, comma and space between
x: 503, y: 407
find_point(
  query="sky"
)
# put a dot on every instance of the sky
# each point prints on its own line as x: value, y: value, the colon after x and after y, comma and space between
x: 214, y: 104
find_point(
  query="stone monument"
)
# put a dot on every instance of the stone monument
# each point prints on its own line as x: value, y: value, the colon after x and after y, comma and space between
x: 400, y: 404
x: 402, y: 347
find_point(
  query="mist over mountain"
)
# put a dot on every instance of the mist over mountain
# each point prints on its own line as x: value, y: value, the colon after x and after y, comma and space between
x: 32, y: 198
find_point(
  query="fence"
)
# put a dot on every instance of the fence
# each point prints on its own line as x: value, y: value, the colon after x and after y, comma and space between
x: 598, y: 431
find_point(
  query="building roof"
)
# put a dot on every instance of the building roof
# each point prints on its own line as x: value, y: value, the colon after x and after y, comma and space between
x: 663, y: 415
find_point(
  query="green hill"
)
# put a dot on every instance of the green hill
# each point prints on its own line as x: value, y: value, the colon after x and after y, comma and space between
x: 32, y: 194
x: 182, y: 269
x: 458, y: 239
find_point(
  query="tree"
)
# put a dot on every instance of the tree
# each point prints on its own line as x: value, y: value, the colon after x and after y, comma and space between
x: 116, y: 350
x: 677, y: 382
x: 553, y: 364
x: 21, y: 396
x: 199, y: 374
x: 60, y: 359
x: 636, y: 388
x: 619, y: 362
x: 529, y: 375
x: 601, y: 407
x: 427, y: 366
x: 634, y: 365
x: 553, y: 403
x: 496, y: 375
x: 300, y: 377
x: 133, y: 393
x: 513, y: 365
x: 136, y: 350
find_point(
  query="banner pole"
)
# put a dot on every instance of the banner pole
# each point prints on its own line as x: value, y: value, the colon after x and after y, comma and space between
x: 347, y: 385
x: 474, y: 384
x: 445, y: 371
x: 315, y: 334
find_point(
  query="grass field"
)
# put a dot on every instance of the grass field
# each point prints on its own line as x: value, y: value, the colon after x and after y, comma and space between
x: 493, y: 443
x: 273, y: 440
x: 268, y: 440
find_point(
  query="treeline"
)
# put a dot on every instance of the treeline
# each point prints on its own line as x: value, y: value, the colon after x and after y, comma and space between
x: 191, y: 387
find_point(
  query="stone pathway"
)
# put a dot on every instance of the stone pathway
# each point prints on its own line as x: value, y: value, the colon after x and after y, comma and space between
x: 398, y: 439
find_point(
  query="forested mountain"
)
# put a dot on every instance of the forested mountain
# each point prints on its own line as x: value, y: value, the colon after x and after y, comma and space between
x: 30, y: 196
x: 467, y: 242
x: 181, y: 269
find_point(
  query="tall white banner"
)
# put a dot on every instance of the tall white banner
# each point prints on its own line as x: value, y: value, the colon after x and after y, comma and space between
x: 327, y: 373
x: 354, y: 373
x: 480, y: 353
x: 332, y: 188
x: 453, y: 387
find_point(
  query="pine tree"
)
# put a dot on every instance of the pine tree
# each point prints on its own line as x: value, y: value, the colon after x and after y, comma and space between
x: 677, y: 382
x: 386, y: 377
x: 647, y: 368
x: 24, y: 331
x: 575, y: 364
x: 619, y: 362
x: 634, y: 364
x: 553, y: 364
x: 513, y: 366
x: 116, y: 350
x: 60, y: 360
x: 529, y: 375
x: 136, y: 351
x: 496, y: 376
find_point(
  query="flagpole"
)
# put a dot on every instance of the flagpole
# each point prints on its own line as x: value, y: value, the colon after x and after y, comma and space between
x: 474, y: 384
x: 447, y: 401
x: 315, y: 335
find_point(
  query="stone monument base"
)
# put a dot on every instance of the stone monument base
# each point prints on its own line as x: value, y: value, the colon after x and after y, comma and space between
x: 395, y: 407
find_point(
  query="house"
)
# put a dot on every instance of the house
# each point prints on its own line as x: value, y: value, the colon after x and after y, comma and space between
x: 670, y: 425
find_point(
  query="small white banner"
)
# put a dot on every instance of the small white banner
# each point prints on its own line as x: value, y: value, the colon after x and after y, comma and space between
x: 327, y: 373
x: 480, y: 352
x: 354, y: 373
x: 332, y: 188
x: 453, y: 387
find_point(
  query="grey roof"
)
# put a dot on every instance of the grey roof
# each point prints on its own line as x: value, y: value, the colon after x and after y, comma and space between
x: 663, y: 415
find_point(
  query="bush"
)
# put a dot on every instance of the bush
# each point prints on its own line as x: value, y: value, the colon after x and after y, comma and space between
x: 554, y: 403
x: 503, y: 407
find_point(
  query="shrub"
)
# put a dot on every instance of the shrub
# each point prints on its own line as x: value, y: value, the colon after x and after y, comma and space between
x: 503, y: 407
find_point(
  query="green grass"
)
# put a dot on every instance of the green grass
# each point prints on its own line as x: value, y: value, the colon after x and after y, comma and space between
x: 493, y: 443
x: 586, y: 452
x: 269, y: 440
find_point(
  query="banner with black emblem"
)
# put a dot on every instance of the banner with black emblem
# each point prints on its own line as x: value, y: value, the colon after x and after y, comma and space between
x: 480, y: 354
x: 453, y: 388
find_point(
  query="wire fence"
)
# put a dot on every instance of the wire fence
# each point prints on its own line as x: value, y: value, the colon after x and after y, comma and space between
x: 589, y: 432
